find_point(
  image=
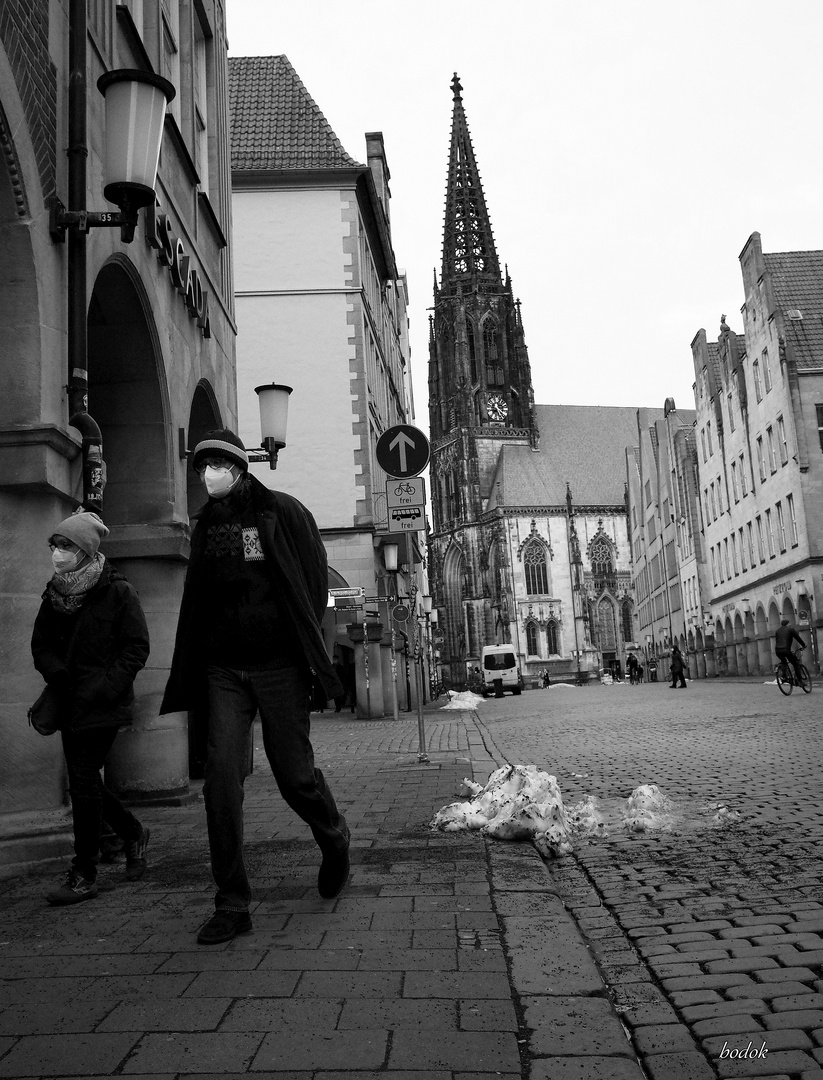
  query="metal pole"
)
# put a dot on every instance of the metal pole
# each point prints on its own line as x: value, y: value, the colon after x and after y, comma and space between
x: 422, y: 756
x: 78, y: 152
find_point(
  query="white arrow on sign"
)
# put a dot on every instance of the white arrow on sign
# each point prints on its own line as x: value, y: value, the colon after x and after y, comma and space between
x: 401, y: 441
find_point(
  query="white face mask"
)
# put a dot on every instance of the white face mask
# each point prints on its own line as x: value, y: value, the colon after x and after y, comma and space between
x: 218, y: 481
x: 64, y: 561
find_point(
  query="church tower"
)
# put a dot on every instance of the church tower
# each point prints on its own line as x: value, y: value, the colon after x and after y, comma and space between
x: 480, y: 398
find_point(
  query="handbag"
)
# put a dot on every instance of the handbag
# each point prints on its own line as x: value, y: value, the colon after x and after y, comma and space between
x: 44, y: 714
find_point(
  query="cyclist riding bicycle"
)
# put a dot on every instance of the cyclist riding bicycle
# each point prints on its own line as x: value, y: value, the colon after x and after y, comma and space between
x: 783, y: 638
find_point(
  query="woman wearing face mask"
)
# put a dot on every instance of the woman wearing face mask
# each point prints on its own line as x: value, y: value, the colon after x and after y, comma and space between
x: 90, y: 640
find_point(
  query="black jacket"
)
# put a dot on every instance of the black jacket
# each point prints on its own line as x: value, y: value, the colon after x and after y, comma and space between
x: 111, y: 644
x: 296, y: 560
x: 784, y: 636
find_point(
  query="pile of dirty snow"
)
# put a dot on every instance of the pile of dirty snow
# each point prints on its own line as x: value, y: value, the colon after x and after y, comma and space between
x: 519, y: 802
x: 647, y: 808
x: 463, y: 699
x: 562, y: 686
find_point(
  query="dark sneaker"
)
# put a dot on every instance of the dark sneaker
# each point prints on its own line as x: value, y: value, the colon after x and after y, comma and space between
x: 136, y: 855
x: 74, y: 890
x: 334, y: 871
x: 223, y: 926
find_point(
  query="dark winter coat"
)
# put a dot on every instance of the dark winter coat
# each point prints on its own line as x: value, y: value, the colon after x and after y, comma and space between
x: 296, y: 560
x: 677, y: 662
x: 111, y: 644
x: 784, y: 636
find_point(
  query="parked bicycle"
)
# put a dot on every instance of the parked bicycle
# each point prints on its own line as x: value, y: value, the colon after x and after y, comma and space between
x: 788, y: 679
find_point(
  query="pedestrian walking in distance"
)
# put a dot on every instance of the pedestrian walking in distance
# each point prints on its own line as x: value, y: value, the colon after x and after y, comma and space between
x: 90, y: 640
x: 248, y: 639
x: 677, y: 669
x: 783, y: 638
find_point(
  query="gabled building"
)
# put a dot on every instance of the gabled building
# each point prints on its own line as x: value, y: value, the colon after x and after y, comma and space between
x: 662, y: 505
x: 759, y: 398
x: 321, y: 307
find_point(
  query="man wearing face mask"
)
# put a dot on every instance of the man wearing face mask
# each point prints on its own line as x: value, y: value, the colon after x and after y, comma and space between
x: 249, y: 640
x: 89, y: 642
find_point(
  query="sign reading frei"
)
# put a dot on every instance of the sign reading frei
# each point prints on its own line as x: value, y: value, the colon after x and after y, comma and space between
x: 406, y: 503
x: 403, y: 451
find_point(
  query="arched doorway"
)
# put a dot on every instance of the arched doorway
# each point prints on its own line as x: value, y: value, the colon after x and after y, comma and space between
x: 764, y: 649
x: 454, y: 568
x: 204, y: 416
x: 731, y: 648
x: 700, y: 653
x: 750, y: 637
x: 740, y: 646
x: 129, y: 400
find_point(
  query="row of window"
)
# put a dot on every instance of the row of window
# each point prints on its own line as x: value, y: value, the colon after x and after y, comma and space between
x: 766, y: 463
x: 736, y: 553
x: 762, y: 377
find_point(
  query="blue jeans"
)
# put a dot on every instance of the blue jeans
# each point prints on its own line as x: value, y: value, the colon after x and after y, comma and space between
x: 91, y: 800
x: 282, y: 696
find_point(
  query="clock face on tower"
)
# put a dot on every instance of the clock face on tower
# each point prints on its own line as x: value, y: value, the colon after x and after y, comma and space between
x: 496, y: 407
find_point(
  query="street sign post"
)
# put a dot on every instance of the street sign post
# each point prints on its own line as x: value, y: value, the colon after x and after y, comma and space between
x: 402, y: 451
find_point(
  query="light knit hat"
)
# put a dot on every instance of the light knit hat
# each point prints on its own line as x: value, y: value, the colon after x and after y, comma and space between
x: 85, y: 529
x: 221, y: 443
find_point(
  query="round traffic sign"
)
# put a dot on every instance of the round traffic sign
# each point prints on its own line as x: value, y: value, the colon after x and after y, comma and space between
x: 402, y: 451
x: 400, y: 613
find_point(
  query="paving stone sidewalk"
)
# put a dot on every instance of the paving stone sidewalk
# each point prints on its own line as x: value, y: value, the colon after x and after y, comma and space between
x: 448, y: 957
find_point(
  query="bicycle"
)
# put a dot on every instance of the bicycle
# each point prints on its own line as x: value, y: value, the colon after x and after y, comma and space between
x: 787, y: 680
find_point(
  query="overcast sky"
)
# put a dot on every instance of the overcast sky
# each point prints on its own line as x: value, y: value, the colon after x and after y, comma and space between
x: 628, y: 148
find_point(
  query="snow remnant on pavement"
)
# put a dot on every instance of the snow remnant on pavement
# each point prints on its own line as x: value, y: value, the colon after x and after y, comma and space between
x: 519, y: 802
x: 463, y: 699
x: 585, y: 818
x: 647, y: 808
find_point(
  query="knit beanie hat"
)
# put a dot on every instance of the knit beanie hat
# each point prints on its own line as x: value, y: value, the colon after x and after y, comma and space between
x: 221, y: 443
x: 83, y: 528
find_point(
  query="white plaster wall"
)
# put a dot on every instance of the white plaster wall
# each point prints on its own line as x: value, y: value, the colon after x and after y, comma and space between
x: 303, y: 341
x: 289, y: 239
x: 293, y: 311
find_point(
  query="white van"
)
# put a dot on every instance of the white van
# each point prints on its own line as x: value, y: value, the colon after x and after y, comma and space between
x: 500, y: 670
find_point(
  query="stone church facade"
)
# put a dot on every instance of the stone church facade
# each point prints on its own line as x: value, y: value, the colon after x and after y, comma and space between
x: 529, y: 540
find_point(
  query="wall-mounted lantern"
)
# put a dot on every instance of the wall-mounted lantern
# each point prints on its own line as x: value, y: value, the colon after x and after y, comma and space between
x: 390, y: 552
x: 135, y: 113
x: 274, y: 417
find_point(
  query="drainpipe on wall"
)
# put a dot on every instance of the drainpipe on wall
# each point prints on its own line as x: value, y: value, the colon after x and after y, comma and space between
x: 78, y: 152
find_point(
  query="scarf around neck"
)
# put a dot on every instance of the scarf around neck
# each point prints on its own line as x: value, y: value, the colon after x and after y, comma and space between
x: 68, y: 591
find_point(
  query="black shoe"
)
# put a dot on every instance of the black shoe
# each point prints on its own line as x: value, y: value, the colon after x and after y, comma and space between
x: 334, y: 871
x: 74, y: 889
x: 136, y: 855
x: 223, y: 926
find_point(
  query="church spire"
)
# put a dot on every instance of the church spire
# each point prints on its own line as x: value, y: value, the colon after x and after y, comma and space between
x: 469, y: 254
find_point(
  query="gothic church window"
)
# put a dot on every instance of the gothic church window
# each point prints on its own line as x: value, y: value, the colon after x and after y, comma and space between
x: 472, y: 349
x: 606, y: 631
x: 494, y: 369
x: 551, y: 638
x: 600, y: 555
x: 531, y: 639
x: 537, y: 576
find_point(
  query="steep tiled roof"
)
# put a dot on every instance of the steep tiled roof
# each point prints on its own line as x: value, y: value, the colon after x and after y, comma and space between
x: 582, y: 444
x: 797, y: 280
x: 275, y: 123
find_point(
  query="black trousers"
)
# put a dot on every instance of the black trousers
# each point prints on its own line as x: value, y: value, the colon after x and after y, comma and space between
x: 91, y: 800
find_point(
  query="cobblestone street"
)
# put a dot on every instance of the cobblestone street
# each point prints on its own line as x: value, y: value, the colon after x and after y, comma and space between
x: 710, y: 937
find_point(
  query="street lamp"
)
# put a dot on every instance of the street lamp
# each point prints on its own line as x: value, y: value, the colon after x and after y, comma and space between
x: 274, y: 417
x: 135, y: 113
